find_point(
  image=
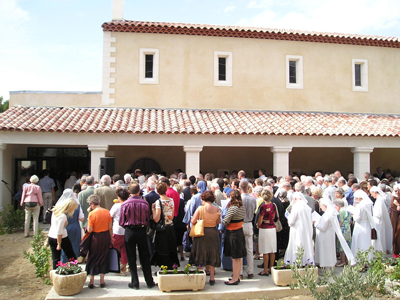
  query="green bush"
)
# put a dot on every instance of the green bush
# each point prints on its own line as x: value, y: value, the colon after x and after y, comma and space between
x: 361, y: 281
x: 40, y: 257
x: 11, y: 220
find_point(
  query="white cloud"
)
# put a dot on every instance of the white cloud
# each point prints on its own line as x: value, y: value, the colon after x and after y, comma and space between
x: 229, y: 8
x: 356, y: 16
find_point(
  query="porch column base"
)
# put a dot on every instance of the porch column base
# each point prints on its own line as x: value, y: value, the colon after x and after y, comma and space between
x: 97, y: 151
x: 281, y: 160
x: 362, y: 160
x: 192, y: 165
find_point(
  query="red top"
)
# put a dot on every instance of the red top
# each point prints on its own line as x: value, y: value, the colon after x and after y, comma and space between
x: 175, y: 196
x: 268, y: 212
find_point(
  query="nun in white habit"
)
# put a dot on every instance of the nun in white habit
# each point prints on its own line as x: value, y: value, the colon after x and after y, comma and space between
x: 362, y: 216
x: 301, y: 231
x: 382, y: 222
x: 325, y: 243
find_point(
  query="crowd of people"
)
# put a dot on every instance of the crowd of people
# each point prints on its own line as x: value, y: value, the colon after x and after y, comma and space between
x: 329, y: 217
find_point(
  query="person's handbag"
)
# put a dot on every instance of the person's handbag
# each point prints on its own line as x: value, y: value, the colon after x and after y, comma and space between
x: 198, y: 229
x: 374, y: 235
x: 278, y: 224
x: 30, y: 204
x: 114, y: 258
x: 47, y: 215
x: 157, y: 226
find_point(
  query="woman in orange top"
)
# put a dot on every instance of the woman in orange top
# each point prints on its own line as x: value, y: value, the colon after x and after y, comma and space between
x: 205, y: 250
x: 100, y: 228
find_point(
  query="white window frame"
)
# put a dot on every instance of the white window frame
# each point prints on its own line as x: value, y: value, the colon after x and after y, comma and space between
x: 364, y: 75
x: 142, y: 66
x: 229, y: 79
x: 299, y: 72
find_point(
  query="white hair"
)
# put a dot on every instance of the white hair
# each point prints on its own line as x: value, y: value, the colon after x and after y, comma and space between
x: 215, y: 185
x: 105, y: 180
x: 127, y: 178
x: 151, y: 184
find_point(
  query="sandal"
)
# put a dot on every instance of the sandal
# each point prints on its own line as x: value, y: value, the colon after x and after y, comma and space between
x: 263, y: 274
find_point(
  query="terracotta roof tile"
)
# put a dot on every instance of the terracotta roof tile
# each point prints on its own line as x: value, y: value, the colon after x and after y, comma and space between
x: 250, y: 32
x: 187, y: 121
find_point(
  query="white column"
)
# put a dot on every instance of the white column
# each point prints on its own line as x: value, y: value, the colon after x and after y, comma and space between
x: 361, y: 161
x: 97, y: 151
x: 192, y: 166
x: 3, y: 188
x: 281, y: 160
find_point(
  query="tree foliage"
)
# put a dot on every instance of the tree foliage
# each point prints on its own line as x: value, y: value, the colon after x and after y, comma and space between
x: 3, y: 105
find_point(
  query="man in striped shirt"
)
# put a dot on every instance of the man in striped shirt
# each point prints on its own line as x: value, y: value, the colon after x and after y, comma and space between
x: 134, y: 217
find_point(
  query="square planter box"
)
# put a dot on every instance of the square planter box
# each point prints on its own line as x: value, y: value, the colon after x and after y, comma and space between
x: 283, y: 277
x: 181, y: 281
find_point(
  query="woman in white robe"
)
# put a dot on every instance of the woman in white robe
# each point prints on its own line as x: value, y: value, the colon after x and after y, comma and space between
x: 325, y: 242
x: 382, y: 222
x: 363, y: 222
x: 301, y: 231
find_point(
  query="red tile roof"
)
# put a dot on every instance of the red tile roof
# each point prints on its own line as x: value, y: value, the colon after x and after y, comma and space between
x: 250, y: 32
x: 188, y: 121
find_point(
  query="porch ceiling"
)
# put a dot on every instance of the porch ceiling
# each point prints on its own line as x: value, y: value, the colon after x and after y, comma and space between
x: 200, y: 122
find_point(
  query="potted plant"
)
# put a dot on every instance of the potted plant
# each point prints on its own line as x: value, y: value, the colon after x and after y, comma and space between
x: 68, y: 279
x: 176, y: 280
x: 282, y: 274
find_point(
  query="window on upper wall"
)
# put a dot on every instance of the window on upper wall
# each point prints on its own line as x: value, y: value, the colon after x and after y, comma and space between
x: 222, y: 68
x: 360, y: 75
x: 148, y: 66
x: 294, y: 72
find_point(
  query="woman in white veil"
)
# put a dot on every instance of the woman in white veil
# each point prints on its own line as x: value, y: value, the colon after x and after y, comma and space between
x: 325, y: 243
x: 363, y: 222
x: 301, y: 231
x: 382, y: 222
x: 73, y: 227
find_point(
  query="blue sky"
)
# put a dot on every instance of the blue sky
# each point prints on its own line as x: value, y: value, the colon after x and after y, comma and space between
x: 56, y: 45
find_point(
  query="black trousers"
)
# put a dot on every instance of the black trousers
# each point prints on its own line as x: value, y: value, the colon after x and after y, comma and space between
x: 56, y: 254
x: 138, y: 237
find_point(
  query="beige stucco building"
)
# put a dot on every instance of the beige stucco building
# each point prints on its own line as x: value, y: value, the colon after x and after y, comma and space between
x: 211, y: 98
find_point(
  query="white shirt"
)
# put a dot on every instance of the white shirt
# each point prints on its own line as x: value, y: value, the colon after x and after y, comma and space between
x: 115, y: 213
x: 58, y: 225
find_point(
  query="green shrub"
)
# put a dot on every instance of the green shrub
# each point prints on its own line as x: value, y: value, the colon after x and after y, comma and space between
x: 360, y: 281
x: 11, y: 220
x: 40, y: 257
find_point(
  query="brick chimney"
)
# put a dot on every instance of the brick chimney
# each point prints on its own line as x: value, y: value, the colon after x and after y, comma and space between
x: 117, y: 10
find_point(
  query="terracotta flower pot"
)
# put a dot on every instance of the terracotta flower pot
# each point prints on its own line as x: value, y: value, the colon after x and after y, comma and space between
x: 181, y: 282
x: 283, y: 277
x: 67, y: 285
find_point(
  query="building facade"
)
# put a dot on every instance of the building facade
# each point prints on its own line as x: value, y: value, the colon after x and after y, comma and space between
x: 212, y: 98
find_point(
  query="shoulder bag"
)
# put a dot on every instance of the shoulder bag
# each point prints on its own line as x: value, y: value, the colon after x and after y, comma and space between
x: 160, y: 225
x: 198, y: 229
x: 278, y: 224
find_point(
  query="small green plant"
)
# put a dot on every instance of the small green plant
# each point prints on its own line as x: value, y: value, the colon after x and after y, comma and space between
x: 68, y: 268
x: 186, y: 270
x: 360, y: 281
x: 40, y: 257
x: 11, y: 220
x: 164, y: 269
x: 175, y: 267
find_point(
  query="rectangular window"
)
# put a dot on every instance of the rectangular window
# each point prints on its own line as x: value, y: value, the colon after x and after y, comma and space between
x: 360, y: 75
x: 294, y: 72
x: 222, y: 68
x: 357, y: 74
x: 148, y: 66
